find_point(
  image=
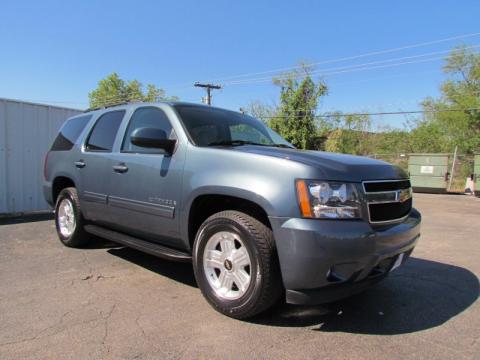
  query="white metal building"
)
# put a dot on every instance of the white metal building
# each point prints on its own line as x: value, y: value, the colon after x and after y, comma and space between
x: 26, y: 132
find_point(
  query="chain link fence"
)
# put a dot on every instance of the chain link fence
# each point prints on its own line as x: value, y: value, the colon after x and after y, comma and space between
x: 461, y: 168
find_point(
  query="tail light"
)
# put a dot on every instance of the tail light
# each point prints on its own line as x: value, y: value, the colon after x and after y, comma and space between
x: 45, y: 161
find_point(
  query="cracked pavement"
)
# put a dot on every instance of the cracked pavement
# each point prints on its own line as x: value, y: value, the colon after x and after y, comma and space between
x: 112, y: 302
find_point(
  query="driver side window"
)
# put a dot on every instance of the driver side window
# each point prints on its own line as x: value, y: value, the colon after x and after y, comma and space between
x: 146, y: 117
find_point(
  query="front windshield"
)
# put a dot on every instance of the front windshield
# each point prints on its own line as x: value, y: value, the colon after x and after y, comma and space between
x: 211, y: 126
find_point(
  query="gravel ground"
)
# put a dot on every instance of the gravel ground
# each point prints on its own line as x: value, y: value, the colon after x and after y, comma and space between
x: 113, y: 302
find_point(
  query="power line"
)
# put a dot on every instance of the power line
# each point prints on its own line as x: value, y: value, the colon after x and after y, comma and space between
x: 330, y: 70
x: 354, y: 68
x: 347, y: 71
x: 379, y: 52
x: 354, y: 57
x: 363, y: 108
x: 416, y: 73
x: 325, y: 72
x: 376, y: 113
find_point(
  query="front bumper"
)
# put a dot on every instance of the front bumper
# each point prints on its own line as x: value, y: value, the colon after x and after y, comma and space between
x: 325, y: 260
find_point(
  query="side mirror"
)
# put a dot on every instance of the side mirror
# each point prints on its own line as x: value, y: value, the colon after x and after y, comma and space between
x: 152, y: 138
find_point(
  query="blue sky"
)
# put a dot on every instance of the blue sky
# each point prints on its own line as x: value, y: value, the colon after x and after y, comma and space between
x: 56, y: 51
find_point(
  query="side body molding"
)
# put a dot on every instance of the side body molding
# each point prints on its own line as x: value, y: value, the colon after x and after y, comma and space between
x: 142, y: 207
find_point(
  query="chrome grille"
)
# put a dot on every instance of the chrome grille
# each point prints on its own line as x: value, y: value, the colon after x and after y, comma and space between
x: 388, y: 200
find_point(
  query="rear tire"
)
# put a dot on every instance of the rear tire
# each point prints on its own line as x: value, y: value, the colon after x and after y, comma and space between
x: 69, y: 219
x: 236, y: 264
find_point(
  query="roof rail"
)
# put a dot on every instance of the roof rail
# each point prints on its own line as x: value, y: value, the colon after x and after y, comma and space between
x: 109, y: 106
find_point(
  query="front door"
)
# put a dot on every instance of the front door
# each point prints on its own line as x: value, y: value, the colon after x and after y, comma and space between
x: 145, y: 183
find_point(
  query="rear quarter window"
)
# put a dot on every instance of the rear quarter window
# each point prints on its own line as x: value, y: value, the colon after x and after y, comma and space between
x: 69, y: 133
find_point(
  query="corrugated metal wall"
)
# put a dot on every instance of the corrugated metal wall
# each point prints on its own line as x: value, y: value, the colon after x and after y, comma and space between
x: 26, y: 132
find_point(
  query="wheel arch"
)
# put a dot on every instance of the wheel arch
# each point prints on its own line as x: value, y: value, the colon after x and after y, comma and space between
x: 205, y: 204
x: 60, y: 183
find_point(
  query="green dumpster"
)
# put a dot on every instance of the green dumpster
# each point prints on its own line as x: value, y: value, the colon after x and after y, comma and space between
x: 429, y: 172
x: 476, y: 174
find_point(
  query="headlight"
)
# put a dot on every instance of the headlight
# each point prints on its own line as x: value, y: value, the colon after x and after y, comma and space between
x: 328, y: 199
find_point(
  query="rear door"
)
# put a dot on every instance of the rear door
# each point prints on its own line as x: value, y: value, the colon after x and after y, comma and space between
x: 92, y: 163
x: 144, y: 184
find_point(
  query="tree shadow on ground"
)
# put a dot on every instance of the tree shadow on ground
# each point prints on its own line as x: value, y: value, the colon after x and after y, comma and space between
x: 420, y: 295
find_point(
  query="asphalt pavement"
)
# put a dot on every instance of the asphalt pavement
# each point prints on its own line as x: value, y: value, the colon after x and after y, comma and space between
x: 112, y: 302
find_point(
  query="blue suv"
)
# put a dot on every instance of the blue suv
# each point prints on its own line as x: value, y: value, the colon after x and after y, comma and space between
x: 258, y: 218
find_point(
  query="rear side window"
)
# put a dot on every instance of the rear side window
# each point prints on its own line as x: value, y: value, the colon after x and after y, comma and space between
x: 149, y: 117
x: 69, y: 133
x: 104, y: 131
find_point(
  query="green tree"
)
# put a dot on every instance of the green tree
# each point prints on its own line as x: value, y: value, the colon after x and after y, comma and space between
x: 425, y: 136
x: 460, y: 91
x: 295, y: 118
x: 350, y: 134
x: 392, y: 141
x: 113, y: 90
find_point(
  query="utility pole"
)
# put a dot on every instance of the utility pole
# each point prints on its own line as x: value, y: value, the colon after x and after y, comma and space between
x: 209, y: 88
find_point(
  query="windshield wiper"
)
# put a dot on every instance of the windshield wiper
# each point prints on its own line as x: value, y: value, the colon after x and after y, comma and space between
x: 244, y: 142
x: 282, y: 146
x: 234, y: 143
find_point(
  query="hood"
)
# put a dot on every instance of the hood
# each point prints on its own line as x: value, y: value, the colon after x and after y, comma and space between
x: 333, y: 166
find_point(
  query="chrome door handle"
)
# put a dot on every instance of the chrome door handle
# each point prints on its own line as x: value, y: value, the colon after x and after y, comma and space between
x: 80, y: 164
x: 120, y: 168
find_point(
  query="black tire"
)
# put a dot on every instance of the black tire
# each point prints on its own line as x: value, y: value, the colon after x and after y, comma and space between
x: 265, y: 287
x: 79, y: 237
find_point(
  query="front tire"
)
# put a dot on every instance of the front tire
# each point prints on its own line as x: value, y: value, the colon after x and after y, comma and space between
x: 236, y: 264
x: 69, y: 219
